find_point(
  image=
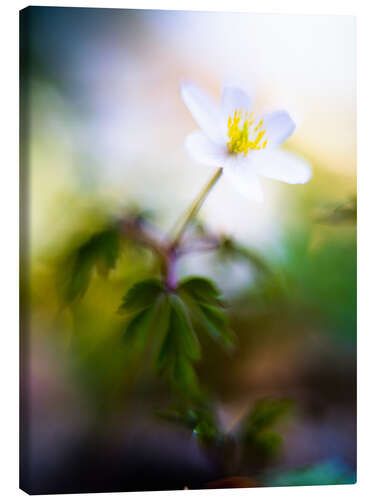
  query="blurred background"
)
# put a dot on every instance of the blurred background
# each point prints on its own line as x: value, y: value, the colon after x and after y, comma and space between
x: 102, y: 136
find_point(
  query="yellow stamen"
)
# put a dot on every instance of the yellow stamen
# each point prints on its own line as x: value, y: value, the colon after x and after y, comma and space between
x: 243, y: 136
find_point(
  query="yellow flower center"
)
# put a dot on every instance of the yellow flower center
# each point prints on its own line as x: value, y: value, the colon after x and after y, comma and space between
x: 244, y: 134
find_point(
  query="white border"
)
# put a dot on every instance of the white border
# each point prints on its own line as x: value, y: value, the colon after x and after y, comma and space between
x: 366, y: 242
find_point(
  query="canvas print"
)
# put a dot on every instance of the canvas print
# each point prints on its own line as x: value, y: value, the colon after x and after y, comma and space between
x: 188, y: 250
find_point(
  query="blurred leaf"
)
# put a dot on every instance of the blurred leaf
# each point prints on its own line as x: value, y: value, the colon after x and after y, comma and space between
x: 153, y: 319
x: 179, y: 349
x: 182, y: 327
x: 183, y: 376
x: 266, y: 412
x: 266, y: 443
x: 216, y: 321
x: 205, y: 431
x: 342, y: 213
x: 199, y: 420
x: 136, y: 330
x: 201, y: 289
x: 77, y: 279
x: 231, y: 248
x: 141, y: 295
x: 256, y: 432
x: 206, y: 300
x: 180, y: 339
x: 102, y: 250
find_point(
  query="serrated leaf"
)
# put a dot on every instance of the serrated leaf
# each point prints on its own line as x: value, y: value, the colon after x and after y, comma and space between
x: 136, y: 330
x: 107, y: 248
x: 216, y: 321
x: 101, y: 249
x: 179, y: 349
x: 201, y: 289
x: 188, y: 343
x: 160, y: 324
x: 141, y: 295
x: 266, y: 413
x: 257, y: 433
x: 184, y: 376
x: 77, y: 280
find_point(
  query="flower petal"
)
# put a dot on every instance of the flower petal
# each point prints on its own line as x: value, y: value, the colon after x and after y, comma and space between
x: 204, y: 110
x: 234, y: 98
x: 278, y: 126
x: 245, y: 181
x: 205, y: 151
x: 282, y: 166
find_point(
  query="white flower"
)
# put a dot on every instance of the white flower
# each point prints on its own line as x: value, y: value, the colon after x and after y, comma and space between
x: 246, y: 148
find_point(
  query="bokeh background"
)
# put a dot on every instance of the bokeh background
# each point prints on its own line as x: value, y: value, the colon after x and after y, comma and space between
x: 102, y: 134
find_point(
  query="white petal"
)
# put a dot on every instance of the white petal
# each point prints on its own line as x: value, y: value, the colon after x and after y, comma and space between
x: 205, y: 151
x: 278, y: 126
x: 234, y: 98
x: 282, y: 166
x: 205, y: 112
x: 245, y: 181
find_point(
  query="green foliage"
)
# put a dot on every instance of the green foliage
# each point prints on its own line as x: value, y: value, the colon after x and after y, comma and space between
x: 206, y: 303
x: 199, y: 420
x: 136, y: 329
x: 216, y: 321
x: 179, y: 349
x: 101, y: 250
x: 201, y: 289
x: 256, y: 431
x: 148, y: 306
x: 266, y: 412
x: 161, y: 320
x: 141, y: 295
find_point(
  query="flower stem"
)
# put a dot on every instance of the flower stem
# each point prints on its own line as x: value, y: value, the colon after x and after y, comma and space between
x: 195, y: 206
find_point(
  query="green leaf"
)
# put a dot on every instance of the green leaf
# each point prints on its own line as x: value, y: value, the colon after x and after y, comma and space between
x: 181, y: 327
x: 141, y: 295
x: 206, y: 299
x: 106, y: 247
x: 205, y: 432
x: 136, y: 330
x: 257, y: 434
x: 266, y: 412
x: 201, y: 290
x: 144, y: 332
x: 77, y: 280
x: 102, y: 250
x: 160, y: 324
x: 179, y: 349
x: 180, y: 339
x: 199, y: 419
x: 216, y: 321
x: 267, y: 443
x: 183, y: 376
